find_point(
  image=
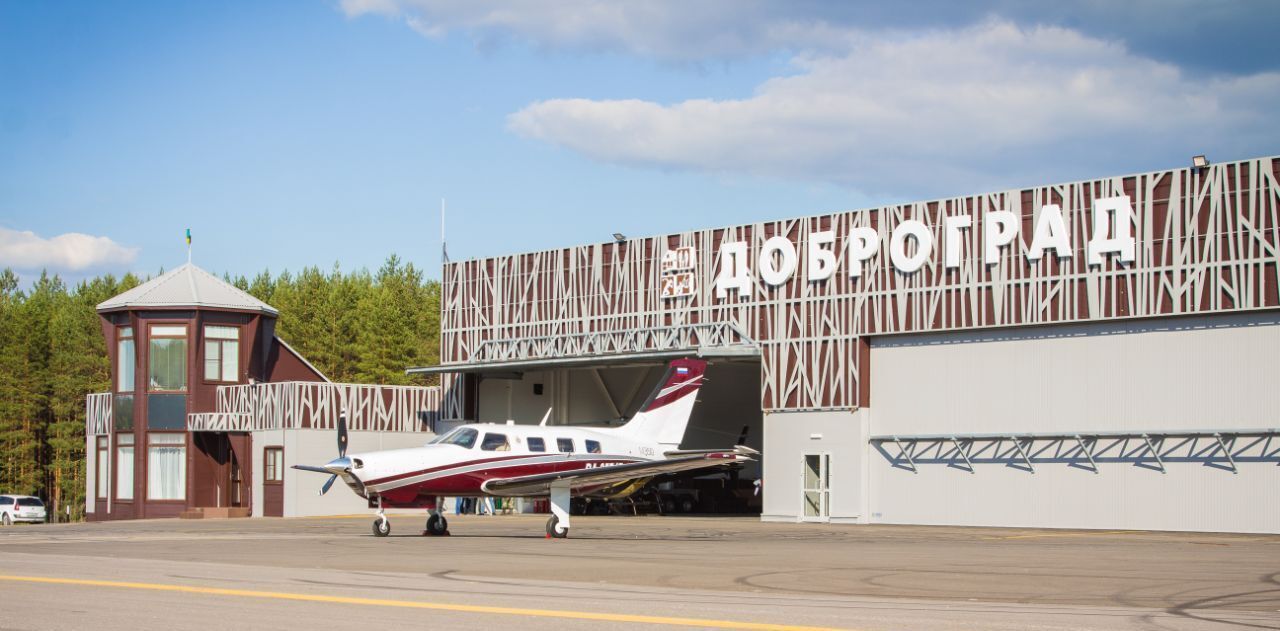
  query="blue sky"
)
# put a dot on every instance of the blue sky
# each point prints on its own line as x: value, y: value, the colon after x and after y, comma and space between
x: 289, y: 134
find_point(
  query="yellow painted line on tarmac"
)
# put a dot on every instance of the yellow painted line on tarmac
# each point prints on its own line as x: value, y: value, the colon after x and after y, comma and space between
x: 409, y: 604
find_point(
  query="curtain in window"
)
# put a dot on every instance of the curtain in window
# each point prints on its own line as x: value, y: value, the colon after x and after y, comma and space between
x: 124, y: 472
x: 168, y: 361
x: 166, y: 467
x: 124, y: 367
x: 102, y: 482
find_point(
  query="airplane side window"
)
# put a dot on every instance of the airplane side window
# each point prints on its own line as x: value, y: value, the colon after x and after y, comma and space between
x: 495, y: 442
x: 565, y: 445
x: 593, y: 446
x: 536, y: 444
x: 464, y: 438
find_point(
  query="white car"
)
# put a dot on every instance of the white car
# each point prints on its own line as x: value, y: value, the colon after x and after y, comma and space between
x: 16, y: 508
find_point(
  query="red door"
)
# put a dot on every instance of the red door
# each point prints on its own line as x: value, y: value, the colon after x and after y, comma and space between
x: 273, y: 482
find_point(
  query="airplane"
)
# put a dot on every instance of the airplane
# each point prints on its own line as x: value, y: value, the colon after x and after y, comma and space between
x: 557, y: 462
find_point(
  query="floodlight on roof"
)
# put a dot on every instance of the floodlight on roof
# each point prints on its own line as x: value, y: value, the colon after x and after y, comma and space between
x: 618, y: 236
x: 1199, y: 162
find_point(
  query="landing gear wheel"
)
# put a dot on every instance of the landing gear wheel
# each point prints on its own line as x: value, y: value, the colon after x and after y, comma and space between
x: 381, y: 527
x: 437, y: 525
x: 552, y: 531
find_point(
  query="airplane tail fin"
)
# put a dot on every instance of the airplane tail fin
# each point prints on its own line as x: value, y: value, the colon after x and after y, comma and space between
x: 665, y: 415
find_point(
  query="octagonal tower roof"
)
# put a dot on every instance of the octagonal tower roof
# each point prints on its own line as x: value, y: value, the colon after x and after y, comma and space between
x: 186, y: 287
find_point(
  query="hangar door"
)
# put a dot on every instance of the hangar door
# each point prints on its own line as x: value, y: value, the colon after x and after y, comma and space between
x: 728, y: 405
x: 1189, y: 374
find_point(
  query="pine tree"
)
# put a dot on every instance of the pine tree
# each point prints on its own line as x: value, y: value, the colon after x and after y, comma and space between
x: 12, y: 366
x: 80, y: 366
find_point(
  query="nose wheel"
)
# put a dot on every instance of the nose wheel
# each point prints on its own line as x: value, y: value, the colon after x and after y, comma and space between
x: 558, y: 525
x: 381, y: 525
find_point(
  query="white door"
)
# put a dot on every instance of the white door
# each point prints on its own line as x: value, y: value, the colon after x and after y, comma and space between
x: 816, y: 487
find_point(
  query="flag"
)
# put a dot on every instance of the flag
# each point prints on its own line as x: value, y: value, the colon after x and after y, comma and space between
x: 188, y: 236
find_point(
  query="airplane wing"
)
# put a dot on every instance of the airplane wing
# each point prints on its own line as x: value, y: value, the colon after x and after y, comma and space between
x: 603, y: 476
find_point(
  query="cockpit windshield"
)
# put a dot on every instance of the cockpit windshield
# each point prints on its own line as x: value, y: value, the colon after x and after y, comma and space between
x: 464, y: 437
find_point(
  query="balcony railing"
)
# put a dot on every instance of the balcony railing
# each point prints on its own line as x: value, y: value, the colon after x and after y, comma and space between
x: 97, y: 408
x: 312, y: 405
x: 299, y: 405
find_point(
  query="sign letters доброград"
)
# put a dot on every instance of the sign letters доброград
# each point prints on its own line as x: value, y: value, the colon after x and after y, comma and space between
x: 778, y: 259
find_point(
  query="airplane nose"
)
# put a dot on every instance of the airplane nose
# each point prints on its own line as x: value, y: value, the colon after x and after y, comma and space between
x: 337, y: 466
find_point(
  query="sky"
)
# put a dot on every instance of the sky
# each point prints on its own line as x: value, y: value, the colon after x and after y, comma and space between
x: 288, y: 134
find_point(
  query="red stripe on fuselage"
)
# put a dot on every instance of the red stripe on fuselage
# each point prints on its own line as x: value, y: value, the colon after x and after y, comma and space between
x: 469, y: 483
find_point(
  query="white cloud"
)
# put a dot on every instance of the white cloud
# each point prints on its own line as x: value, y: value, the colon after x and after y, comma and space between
x: 948, y: 105
x: 665, y: 29
x: 936, y: 99
x: 70, y: 252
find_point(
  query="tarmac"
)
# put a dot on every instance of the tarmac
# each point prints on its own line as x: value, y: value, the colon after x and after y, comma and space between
x: 628, y: 572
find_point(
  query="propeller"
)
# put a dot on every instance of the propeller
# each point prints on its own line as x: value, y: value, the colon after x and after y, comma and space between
x: 337, y: 466
x: 342, y: 435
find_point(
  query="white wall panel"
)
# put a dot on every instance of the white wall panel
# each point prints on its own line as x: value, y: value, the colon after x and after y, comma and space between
x: 316, y: 447
x: 790, y: 435
x: 1187, y: 373
x: 1174, y: 373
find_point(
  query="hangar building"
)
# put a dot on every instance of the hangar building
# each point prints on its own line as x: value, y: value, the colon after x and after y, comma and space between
x: 1095, y: 354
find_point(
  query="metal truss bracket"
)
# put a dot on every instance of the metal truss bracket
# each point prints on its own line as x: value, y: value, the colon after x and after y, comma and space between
x: 906, y: 454
x: 1226, y: 451
x: 1088, y: 453
x: 1025, y: 458
x: 963, y: 453
x: 1155, y: 452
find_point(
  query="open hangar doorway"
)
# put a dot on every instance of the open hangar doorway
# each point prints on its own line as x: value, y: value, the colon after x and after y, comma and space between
x: 606, y: 394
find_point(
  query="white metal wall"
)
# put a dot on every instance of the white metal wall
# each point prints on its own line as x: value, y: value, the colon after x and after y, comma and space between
x: 1217, y: 372
x: 788, y: 436
x: 316, y: 447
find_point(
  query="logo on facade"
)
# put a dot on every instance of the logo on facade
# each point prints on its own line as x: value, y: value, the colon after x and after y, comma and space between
x: 911, y: 244
x: 678, y: 268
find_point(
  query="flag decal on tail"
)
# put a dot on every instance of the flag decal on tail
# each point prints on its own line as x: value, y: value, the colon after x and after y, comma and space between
x: 681, y: 370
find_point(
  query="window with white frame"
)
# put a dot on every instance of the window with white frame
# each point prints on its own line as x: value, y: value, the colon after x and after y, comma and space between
x: 124, y: 466
x: 126, y: 359
x: 221, y: 353
x: 166, y: 466
x: 100, y: 465
x: 167, y: 358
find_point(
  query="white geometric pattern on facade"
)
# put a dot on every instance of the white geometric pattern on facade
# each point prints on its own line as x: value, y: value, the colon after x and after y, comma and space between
x: 299, y: 405
x: 316, y: 405
x: 715, y: 335
x: 97, y: 413
x: 1208, y: 241
x: 219, y: 422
